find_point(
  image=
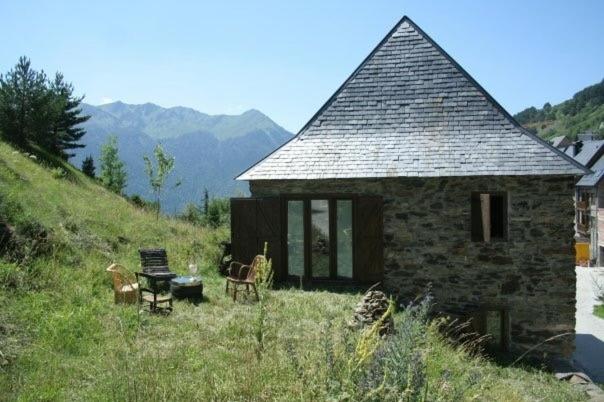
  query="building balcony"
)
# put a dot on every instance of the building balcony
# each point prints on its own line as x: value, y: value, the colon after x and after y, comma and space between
x: 583, y: 229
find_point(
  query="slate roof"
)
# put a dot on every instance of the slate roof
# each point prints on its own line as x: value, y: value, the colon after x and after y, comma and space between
x: 560, y: 141
x: 590, y: 180
x: 598, y: 164
x: 590, y: 152
x: 410, y: 110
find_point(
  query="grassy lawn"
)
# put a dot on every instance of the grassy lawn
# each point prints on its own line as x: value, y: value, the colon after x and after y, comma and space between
x: 62, y: 338
x: 599, y: 311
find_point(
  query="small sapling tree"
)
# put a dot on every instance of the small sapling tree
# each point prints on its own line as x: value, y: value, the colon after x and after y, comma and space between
x: 113, y: 171
x: 158, y: 172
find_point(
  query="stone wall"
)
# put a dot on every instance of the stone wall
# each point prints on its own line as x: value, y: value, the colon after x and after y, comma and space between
x: 427, y: 241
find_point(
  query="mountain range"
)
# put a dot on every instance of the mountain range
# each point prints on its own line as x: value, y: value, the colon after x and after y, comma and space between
x: 209, y: 150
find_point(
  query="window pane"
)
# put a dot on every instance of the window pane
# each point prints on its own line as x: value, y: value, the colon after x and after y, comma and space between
x: 295, y: 238
x: 494, y: 329
x: 488, y: 216
x: 497, y: 216
x: 344, y: 238
x: 319, y: 246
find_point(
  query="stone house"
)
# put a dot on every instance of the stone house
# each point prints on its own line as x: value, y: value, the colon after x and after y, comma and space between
x: 589, y: 151
x: 412, y: 174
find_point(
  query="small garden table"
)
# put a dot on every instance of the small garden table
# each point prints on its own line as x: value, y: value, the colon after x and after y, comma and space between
x: 187, y: 287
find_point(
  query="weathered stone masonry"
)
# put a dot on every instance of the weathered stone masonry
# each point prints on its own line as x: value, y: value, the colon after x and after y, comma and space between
x: 427, y: 240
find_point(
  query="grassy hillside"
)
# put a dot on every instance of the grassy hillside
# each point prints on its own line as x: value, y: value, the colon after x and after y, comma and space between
x: 62, y: 338
x: 583, y: 112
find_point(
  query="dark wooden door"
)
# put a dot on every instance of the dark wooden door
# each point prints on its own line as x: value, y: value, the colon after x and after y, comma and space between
x: 254, y: 222
x: 269, y: 231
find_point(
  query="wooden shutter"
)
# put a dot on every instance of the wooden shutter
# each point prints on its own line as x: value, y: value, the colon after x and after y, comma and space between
x: 255, y: 221
x: 368, y: 239
x: 475, y: 218
x: 243, y: 229
x: 268, y: 218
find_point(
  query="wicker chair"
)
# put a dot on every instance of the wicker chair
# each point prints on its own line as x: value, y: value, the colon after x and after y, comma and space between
x: 243, y: 275
x: 125, y: 286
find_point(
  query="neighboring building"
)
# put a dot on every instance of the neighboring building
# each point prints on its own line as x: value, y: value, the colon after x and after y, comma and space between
x: 561, y: 142
x: 589, y: 151
x: 412, y: 174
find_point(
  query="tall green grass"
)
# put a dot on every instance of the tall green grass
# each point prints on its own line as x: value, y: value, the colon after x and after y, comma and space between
x: 62, y: 338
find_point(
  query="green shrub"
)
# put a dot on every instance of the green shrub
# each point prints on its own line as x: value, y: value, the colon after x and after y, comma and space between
x: 58, y: 173
x: 142, y: 203
x: 399, y: 368
x: 218, y: 213
x: 12, y: 276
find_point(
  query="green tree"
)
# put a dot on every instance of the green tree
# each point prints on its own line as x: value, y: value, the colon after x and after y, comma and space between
x: 206, y: 201
x: 158, y: 172
x: 88, y: 166
x: 66, y: 127
x: 113, y: 173
x: 36, y: 111
x: 219, y: 211
x: 192, y: 214
x: 24, y: 100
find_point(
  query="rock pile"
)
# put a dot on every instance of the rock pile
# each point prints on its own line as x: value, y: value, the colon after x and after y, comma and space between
x: 370, y: 309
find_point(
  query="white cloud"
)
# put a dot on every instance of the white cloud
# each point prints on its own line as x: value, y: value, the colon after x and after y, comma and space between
x: 105, y: 100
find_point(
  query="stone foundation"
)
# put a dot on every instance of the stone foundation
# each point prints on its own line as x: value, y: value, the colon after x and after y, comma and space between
x: 427, y: 241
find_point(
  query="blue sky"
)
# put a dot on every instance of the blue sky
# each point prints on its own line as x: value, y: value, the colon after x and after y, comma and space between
x: 286, y: 58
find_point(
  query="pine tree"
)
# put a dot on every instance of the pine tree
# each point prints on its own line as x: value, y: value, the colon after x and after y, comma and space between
x: 66, y: 129
x: 88, y: 166
x: 206, y: 202
x: 113, y: 174
x: 34, y: 111
x: 24, y: 101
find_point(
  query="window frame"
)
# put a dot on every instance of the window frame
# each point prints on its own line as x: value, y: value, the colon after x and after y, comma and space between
x: 505, y: 325
x: 506, y: 217
x: 332, y: 199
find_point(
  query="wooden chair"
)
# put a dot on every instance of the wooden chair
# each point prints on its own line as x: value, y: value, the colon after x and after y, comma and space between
x: 154, y: 262
x: 125, y: 286
x: 156, y: 271
x: 241, y: 274
x: 152, y: 296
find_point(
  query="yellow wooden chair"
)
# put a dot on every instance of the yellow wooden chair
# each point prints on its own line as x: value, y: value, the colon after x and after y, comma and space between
x: 125, y: 287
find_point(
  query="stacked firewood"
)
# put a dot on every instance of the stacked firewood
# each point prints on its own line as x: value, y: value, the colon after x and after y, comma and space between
x: 370, y: 309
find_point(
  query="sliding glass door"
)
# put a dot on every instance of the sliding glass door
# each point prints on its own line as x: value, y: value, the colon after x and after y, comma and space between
x: 344, y: 238
x: 295, y: 238
x: 320, y: 238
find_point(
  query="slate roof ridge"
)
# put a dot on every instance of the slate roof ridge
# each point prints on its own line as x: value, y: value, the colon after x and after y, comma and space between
x: 596, y: 156
x: 456, y: 65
